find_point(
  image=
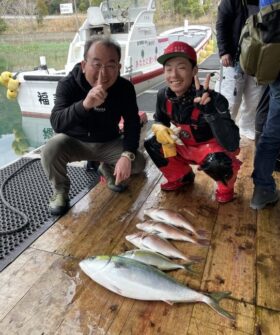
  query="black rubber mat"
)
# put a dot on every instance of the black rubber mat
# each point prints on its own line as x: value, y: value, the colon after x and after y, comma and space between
x: 25, y: 193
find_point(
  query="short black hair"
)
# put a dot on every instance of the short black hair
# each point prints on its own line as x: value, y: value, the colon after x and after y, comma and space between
x: 107, y: 41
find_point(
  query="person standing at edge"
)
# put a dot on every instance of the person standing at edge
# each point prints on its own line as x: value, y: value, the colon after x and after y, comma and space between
x: 90, y: 102
x: 268, y: 147
x: 203, y: 132
x: 240, y: 89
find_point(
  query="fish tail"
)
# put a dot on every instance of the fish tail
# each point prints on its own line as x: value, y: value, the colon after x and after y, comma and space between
x: 203, y: 242
x: 189, y: 267
x: 213, y: 302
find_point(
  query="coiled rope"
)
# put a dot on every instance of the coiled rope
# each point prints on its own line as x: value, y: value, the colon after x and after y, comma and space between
x: 12, y: 208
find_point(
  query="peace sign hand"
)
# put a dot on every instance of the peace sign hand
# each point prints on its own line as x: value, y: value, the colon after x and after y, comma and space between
x: 203, y: 99
x: 202, y: 95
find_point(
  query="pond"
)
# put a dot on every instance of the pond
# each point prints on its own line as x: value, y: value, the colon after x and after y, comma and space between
x: 18, y: 134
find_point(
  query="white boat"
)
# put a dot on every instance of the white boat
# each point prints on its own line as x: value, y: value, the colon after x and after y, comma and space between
x: 130, y: 23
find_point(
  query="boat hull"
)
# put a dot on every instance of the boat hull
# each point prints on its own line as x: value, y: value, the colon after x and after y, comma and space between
x: 140, y: 47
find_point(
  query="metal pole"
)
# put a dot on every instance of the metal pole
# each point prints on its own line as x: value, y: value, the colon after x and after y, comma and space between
x: 76, y: 17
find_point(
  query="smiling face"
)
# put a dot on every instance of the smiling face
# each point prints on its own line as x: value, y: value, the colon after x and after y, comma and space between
x: 179, y: 73
x: 102, y: 58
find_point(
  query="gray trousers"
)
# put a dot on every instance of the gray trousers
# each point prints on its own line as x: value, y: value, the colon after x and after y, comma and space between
x: 62, y: 149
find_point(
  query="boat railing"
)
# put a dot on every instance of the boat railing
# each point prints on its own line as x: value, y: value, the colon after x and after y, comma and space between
x: 104, y: 20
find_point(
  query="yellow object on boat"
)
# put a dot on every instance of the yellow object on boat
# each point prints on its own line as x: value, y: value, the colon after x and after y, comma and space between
x: 203, y: 54
x: 13, y: 84
x: 2, y: 82
x: 5, y: 77
x: 11, y: 94
x: 209, y: 47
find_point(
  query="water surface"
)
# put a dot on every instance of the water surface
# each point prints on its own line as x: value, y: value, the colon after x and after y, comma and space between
x: 18, y: 134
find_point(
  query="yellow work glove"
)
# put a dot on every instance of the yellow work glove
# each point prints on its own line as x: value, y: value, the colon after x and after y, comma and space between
x: 169, y: 150
x: 163, y: 133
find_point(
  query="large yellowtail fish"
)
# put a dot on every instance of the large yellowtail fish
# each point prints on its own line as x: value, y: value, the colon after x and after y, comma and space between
x: 171, y: 217
x: 155, y: 259
x: 169, y: 232
x: 155, y: 243
x: 136, y: 280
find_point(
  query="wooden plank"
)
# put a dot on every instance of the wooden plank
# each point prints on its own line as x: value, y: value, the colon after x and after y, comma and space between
x: 110, y: 226
x: 44, y: 290
x: 268, y: 322
x: 231, y: 260
x: 69, y: 226
x: 97, y: 217
x: 154, y: 318
x: 94, y: 310
x: 268, y: 258
x: 206, y: 321
x: 42, y: 307
x: 20, y: 276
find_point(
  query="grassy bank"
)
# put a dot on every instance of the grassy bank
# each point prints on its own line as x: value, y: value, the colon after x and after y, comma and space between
x: 25, y: 56
x: 25, y: 41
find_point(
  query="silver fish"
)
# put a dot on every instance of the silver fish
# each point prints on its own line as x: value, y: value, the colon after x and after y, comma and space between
x: 136, y: 280
x: 169, y: 216
x: 155, y: 259
x: 170, y: 232
x: 155, y: 243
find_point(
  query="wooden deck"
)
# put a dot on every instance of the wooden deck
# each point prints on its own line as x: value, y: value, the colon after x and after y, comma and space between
x: 44, y: 291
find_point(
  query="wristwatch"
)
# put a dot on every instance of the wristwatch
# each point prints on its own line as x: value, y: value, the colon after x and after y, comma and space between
x: 129, y: 155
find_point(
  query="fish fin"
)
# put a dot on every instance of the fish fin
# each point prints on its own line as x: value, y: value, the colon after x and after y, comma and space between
x: 169, y: 302
x: 115, y: 289
x: 189, y: 267
x: 201, y: 233
x: 215, y: 297
x: 203, y: 242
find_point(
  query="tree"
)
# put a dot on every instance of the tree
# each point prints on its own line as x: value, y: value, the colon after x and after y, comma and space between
x: 83, y: 6
x: 3, y: 25
x: 195, y: 8
x: 41, y: 11
x: 4, y: 5
x: 53, y: 6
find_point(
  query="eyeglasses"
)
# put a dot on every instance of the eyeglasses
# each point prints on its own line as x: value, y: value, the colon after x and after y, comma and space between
x: 98, y: 66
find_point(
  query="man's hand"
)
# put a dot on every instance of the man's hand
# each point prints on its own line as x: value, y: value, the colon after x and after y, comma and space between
x: 96, y: 96
x: 226, y: 60
x: 203, y: 96
x: 163, y: 134
x: 122, y: 170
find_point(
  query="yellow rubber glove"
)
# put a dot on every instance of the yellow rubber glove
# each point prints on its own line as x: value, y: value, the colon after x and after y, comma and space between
x: 169, y: 150
x: 163, y: 133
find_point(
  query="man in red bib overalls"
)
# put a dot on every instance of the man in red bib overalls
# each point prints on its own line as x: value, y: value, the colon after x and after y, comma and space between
x: 192, y: 126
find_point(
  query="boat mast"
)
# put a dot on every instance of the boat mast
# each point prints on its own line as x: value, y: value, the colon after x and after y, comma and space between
x: 151, y: 4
